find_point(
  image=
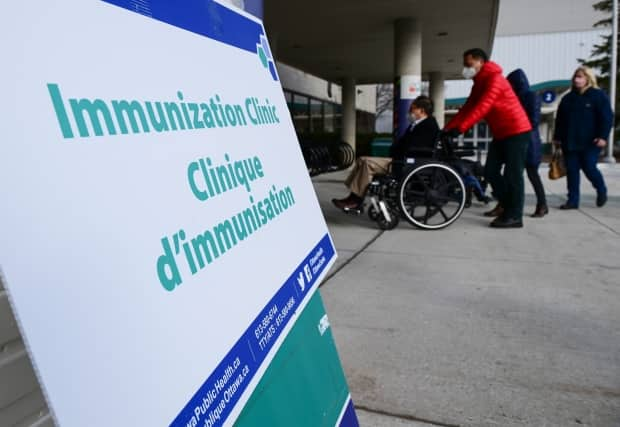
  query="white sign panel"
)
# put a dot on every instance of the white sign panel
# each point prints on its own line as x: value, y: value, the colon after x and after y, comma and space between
x: 155, y: 207
x: 410, y: 86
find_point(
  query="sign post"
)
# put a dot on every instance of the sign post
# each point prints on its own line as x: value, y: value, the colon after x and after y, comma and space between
x: 613, y: 79
x: 162, y: 243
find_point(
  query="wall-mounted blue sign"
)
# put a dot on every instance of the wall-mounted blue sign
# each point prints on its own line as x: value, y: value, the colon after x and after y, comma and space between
x: 548, y: 96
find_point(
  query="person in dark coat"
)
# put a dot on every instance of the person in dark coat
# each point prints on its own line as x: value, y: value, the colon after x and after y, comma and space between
x: 492, y: 99
x: 531, y: 104
x: 582, y: 126
x: 421, y: 134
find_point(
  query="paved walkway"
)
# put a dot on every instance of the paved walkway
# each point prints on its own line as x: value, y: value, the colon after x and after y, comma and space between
x: 472, y: 326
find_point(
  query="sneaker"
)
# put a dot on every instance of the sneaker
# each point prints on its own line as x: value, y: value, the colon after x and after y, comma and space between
x: 500, y: 222
x: 601, y: 199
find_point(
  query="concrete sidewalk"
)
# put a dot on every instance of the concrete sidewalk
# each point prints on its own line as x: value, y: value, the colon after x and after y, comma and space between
x: 473, y: 326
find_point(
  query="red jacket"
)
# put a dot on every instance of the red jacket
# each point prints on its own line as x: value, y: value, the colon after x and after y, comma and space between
x: 492, y: 99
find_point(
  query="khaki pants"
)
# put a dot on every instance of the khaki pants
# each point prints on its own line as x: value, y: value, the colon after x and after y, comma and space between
x: 363, y: 172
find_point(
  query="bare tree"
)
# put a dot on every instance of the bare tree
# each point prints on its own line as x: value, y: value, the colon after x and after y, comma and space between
x: 385, y: 98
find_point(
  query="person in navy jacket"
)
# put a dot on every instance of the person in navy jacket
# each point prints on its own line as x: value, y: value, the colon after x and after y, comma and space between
x: 531, y: 104
x: 582, y: 126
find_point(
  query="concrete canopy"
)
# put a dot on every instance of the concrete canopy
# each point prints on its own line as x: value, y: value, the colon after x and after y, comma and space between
x: 355, y: 38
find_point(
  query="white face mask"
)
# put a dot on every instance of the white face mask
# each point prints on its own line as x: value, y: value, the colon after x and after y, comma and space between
x: 469, y: 72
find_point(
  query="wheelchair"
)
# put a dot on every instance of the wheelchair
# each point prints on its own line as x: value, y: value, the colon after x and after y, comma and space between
x: 428, y: 189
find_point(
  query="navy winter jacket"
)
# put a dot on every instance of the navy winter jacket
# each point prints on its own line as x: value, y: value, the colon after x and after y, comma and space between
x: 531, y: 104
x: 581, y: 118
x: 423, y: 135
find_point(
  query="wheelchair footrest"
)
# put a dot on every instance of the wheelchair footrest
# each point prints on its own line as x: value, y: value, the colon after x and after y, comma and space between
x: 354, y: 211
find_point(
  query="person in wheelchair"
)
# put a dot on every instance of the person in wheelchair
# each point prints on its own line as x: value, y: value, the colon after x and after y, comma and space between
x: 419, y: 138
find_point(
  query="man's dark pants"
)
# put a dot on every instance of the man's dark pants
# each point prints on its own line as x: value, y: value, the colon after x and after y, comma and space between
x: 508, y: 187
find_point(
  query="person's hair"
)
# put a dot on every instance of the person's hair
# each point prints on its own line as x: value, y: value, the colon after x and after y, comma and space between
x: 424, y: 103
x: 590, y: 76
x: 476, y: 53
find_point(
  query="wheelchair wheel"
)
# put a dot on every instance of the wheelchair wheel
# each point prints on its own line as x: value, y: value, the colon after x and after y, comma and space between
x: 384, y: 224
x: 431, y: 196
x: 373, y: 214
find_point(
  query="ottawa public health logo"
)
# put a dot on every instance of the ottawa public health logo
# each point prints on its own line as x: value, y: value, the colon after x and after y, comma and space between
x: 264, y: 54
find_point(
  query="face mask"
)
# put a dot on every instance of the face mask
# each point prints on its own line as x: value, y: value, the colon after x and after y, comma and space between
x: 469, y: 72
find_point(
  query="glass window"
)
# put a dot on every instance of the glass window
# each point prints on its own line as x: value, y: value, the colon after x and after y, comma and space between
x: 483, y: 130
x: 288, y: 96
x: 316, y: 115
x: 300, y: 114
x: 337, y: 117
x: 329, y: 117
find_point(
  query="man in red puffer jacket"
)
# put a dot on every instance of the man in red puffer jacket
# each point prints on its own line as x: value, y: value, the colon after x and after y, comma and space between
x: 492, y: 99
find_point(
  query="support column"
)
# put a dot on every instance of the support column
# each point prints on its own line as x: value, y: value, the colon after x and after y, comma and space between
x: 407, y: 70
x: 438, y: 96
x: 613, y: 78
x: 349, y: 95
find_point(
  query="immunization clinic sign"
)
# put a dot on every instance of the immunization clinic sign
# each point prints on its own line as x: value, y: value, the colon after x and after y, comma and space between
x: 161, y: 240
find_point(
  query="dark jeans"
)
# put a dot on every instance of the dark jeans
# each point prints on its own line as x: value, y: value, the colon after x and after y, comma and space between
x: 534, y: 177
x: 582, y: 160
x: 508, y: 187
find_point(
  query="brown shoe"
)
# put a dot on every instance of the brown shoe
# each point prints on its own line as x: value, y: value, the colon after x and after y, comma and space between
x: 496, y: 211
x: 346, y: 204
x: 541, y: 210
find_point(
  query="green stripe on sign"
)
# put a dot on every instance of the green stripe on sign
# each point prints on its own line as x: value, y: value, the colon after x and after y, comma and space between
x: 304, y: 386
